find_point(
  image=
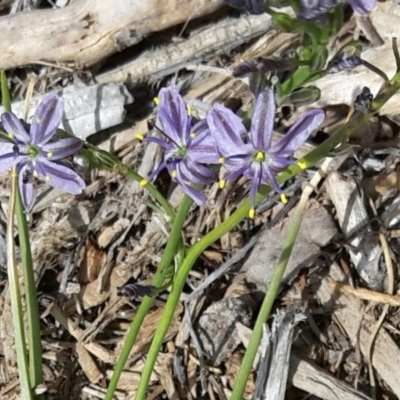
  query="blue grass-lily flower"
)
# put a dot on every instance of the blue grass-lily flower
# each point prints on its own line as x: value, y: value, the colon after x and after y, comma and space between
x: 317, y: 9
x: 35, y: 151
x: 188, y: 147
x: 252, y: 154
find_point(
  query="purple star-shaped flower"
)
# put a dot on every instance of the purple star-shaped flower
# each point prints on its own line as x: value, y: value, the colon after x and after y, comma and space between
x: 317, y: 9
x: 188, y: 148
x: 252, y: 154
x: 34, y: 151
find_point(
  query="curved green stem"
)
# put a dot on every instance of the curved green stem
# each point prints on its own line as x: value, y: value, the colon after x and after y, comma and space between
x: 173, y: 242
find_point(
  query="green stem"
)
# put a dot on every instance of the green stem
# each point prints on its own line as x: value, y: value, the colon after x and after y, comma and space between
x: 5, y: 93
x: 170, y: 249
x: 34, y: 335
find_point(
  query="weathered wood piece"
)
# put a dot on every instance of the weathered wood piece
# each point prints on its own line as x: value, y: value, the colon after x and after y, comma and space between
x: 87, y: 31
x: 88, y: 109
x: 353, y: 218
x: 350, y: 312
x: 218, y: 38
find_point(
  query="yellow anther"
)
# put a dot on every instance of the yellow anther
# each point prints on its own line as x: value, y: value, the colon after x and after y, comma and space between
x: 156, y: 100
x: 189, y: 110
x: 47, y: 177
x: 260, y: 156
x: 302, y: 164
x: 284, y: 199
x: 174, y: 173
x: 221, y: 159
x: 38, y: 120
x: 139, y: 136
x: 11, y: 135
x: 222, y: 183
x: 14, y: 174
x: 143, y: 182
x: 49, y: 154
x: 252, y: 213
x: 192, y: 135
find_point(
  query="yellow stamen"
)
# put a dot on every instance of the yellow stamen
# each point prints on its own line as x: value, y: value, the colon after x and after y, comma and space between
x: 221, y: 159
x: 260, y: 156
x: 192, y: 135
x: 139, y: 136
x: 156, y: 100
x: 302, y: 164
x: 49, y: 154
x: 38, y: 120
x: 284, y: 199
x: 14, y: 174
x: 189, y: 110
x: 47, y: 177
x: 11, y: 135
x: 252, y: 213
x: 174, y: 173
x: 222, y: 183
x: 143, y: 182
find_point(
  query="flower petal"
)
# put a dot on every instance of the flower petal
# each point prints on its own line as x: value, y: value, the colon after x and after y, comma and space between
x: 262, y: 122
x: 61, y: 148
x: 173, y: 106
x: 46, y: 119
x: 268, y: 173
x: 160, y: 167
x: 202, y: 148
x: 8, y: 156
x: 59, y: 176
x: 298, y: 133
x: 255, y: 183
x: 14, y: 126
x: 25, y: 183
x: 362, y: 6
x: 227, y: 130
x: 195, y: 172
x: 196, y: 195
x: 160, y: 142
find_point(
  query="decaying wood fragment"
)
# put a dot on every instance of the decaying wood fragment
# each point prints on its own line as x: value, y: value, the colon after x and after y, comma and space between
x: 87, y: 31
x: 218, y: 38
x: 88, y: 109
x: 347, y: 198
x: 315, y: 380
x: 352, y: 317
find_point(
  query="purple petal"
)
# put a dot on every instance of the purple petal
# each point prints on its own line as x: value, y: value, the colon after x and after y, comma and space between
x: 255, y: 183
x: 195, y: 173
x: 61, y: 148
x: 8, y: 156
x: 160, y: 167
x: 262, y: 123
x: 160, y: 142
x: 279, y: 163
x: 25, y: 183
x: 59, y: 176
x: 298, y: 133
x: 267, y: 172
x: 227, y: 130
x: 202, y: 148
x: 173, y: 106
x: 245, y: 170
x: 13, y: 126
x: 47, y: 118
x: 197, y: 196
x: 362, y: 6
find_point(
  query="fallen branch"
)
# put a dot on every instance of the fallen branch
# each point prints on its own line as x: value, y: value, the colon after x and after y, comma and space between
x: 88, y: 31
